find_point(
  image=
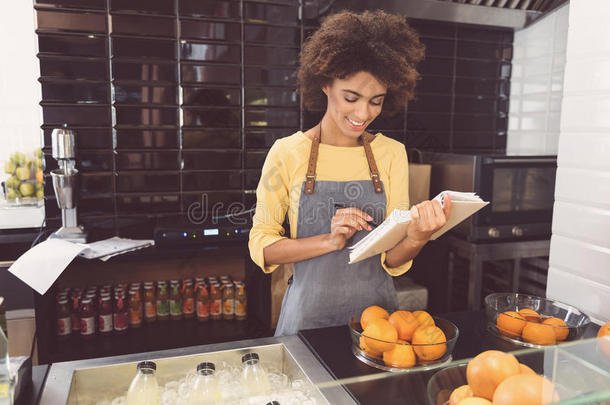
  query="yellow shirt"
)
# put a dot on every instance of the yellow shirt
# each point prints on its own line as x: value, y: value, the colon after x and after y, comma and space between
x: 279, y: 188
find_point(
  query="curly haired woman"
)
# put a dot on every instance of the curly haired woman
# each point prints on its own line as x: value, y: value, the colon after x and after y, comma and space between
x: 335, y: 179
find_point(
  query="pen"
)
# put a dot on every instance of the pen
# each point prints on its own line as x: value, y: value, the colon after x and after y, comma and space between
x: 373, y: 223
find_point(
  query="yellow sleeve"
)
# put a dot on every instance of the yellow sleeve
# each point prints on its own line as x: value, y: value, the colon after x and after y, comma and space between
x: 272, y: 200
x: 398, y: 197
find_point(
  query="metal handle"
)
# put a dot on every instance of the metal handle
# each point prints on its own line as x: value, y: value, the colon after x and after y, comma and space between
x: 517, y: 161
x: 63, y: 143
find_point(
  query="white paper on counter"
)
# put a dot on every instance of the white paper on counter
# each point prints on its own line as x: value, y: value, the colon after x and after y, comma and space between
x: 105, y: 249
x: 40, y: 266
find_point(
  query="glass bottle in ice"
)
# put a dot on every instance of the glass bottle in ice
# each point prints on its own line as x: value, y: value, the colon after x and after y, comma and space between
x: 254, y: 376
x: 6, y: 378
x: 205, y: 389
x: 144, y: 389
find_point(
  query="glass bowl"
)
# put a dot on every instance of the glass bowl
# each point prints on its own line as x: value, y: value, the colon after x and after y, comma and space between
x: 449, y: 329
x: 495, y: 304
x: 443, y: 382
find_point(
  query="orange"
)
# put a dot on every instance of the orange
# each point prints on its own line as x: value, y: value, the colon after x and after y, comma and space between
x: 525, y: 390
x: 559, y: 327
x: 538, y: 334
x: 372, y: 312
x: 405, y: 323
x: 604, y: 339
x: 401, y: 356
x: 526, y: 369
x: 429, y: 343
x: 474, y: 401
x: 461, y: 392
x: 604, y: 330
x: 530, y: 315
x: 424, y: 318
x: 604, y: 344
x: 368, y: 351
x: 380, y: 335
x: 488, y: 369
x: 510, y: 323
x: 39, y: 176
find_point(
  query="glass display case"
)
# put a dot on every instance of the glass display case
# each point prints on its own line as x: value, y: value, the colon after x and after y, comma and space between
x: 579, y: 372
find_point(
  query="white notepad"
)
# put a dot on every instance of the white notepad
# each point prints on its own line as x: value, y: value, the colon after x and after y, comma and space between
x: 394, y: 228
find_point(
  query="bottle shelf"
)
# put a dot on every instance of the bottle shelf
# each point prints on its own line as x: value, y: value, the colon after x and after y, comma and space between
x: 159, y: 335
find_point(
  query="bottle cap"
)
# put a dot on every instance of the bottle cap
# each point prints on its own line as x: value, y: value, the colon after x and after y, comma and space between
x: 206, y: 366
x: 147, y: 364
x: 249, y: 356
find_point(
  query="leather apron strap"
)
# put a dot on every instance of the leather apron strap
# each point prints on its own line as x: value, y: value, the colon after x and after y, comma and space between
x: 310, y: 177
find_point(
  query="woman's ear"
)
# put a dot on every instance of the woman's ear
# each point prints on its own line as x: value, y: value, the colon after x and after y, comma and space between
x: 325, y: 90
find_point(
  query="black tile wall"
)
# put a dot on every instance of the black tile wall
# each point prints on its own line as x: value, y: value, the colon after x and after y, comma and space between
x: 176, y: 102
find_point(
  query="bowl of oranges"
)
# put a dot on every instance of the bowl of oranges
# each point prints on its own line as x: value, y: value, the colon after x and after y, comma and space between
x: 491, y: 377
x: 527, y: 320
x: 402, y: 340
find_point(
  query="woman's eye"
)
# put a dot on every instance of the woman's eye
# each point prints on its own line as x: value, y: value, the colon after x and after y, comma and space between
x: 376, y: 103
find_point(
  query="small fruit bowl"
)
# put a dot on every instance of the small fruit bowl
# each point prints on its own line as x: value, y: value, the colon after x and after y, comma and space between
x: 531, y: 321
x: 443, y: 382
x: 403, y: 356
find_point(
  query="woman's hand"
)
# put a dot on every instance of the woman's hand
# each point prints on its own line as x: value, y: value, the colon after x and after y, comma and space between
x: 344, y: 225
x: 427, y: 217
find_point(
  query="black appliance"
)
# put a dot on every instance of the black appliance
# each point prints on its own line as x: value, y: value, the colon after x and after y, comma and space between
x: 188, y: 233
x: 520, y: 190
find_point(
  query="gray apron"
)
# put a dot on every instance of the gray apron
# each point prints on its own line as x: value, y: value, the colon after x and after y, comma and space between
x: 326, y: 290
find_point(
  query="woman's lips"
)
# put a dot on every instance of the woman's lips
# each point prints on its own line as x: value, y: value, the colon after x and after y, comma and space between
x: 355, y: 125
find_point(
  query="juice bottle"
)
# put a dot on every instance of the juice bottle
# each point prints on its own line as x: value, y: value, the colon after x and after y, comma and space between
x: 64, y: 318
x: 150, y: 307
x: 162, y: 301
x: 135, y: 308
x: 76, y: 296
x: 120, y: 313
x: 188, y: 299
x: 175, y: 300
x: 203, y: 303
x: 228, y: 301
x: 87, y: 318
x: 215, y: 302
x: 254, y: 377
x: 104, y: 318
x: 205, y: 389
x: 144, y: 389
x: 241, y: 303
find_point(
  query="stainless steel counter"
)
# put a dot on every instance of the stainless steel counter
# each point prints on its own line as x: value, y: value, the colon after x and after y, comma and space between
x: 85, y: 381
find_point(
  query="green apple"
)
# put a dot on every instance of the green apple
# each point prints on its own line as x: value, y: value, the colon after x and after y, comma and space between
x: 12, y: 182
x: 9, y: 167
x: 18, y: 159
x: 38, y: 153
x: 11, y: 194
x: 26, y: 189
x: 40, y: 194
x: 23, y: 173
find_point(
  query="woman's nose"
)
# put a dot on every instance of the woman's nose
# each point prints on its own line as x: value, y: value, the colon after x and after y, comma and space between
x: 362, y: 112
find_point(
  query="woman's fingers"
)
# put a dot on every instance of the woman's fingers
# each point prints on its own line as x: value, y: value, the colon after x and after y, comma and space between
x: 431, y: 216
x: 447, y: 206
x: 353, y: 217
x: 439, y: 215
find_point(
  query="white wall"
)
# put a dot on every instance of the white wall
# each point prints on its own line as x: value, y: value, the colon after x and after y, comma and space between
x: 536, y: 86
x: 20, y: 114
x: 579, y: 272
x: 20, y: 93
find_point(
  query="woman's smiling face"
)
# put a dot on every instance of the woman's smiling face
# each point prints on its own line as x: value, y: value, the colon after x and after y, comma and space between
x: 354, y: 102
